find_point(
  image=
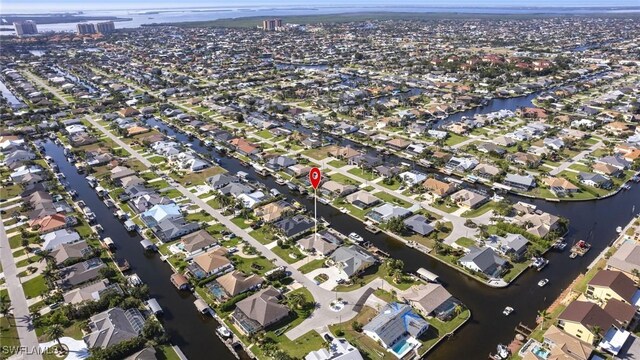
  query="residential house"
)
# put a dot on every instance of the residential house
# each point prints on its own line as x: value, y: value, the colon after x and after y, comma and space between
x: 431, y: 300
x: 210, y: 263
x: 188, y: 161
x: 90, y: 292
x: 560, y: 186
x: 610, y: 284
x: 362, y: 199
x: 396, y: 323
x: 487, y: 171
x: 626, y: 259
x: 259, y: 311
x: 339, y: 349
x: 322, y: 243
x: 520, y: 182
x: 412, y: 177
x: 273, y: 211
x: 525, y: 159
x: 595, y: 180
x: 438, y: 188
x: 386, y: 212
x: 80, y: 273
x: 468, y: 199
x: 485, y: 261
x: 419, y: 224
x: 337, y: 189
x: 56, y: 238
x: 143, y: 203
x: 70, y: 251
x: 461, y: 164
x: 562, y: 346
x: 235, y: 282
x: 580, y: 318
x: 119, y: 172
x: 113, y: 326
x: 510, y: 245
x: 398, y: 144
x: 172, y: 228
x: 244, y: 147
x: 197, y: 242
x: 294, y: 226
x: 49, y: 223
x: 616, y: 161
x: 219, y: 181
x: 351, y: 260
x: 158, y: 213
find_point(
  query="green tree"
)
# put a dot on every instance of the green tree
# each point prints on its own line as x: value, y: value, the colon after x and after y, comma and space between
x: 55, y: 332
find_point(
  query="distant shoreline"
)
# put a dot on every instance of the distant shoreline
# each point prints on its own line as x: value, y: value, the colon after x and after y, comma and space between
x: 61, y: 19
x: 253, y: 21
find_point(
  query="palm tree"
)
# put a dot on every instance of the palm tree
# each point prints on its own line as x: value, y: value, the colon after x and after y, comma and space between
x: 55, y: 332
x: 458, y: 309
x: 45, y: 255
x: 544, y: 315
x: 597, y: 332
x: 297, y: 300
x: 50, y: 275
x: 5, y: 305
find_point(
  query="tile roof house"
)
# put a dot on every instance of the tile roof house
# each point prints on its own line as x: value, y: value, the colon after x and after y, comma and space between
x: 197, y: 242
x: 49, y: 223
x: 113, y: 326
x: 259, y: 311
x: 562, y: 346
x: 236, y: 282
x: 71, y: 251
x: 90, y: 292
x: 323, y: 243
x: 244, y: 147
x: 560, y: 185
x: 468, y: 199
x: 337, y: 189
x: 484, y: 260
x: 579, y: 318
x: 119, y: 172
x: 395, y: 323
x: 431, y: 300
x: 59, y: 237
x: 351, y: 260
x: 609, y: 284
x: 210, y: 263
x: 273, y: 211
x: 362, y: 199
x: 438, y: 188
x: 626, y: 259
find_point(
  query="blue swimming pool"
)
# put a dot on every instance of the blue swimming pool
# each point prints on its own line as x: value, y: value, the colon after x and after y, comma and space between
x: 401, y: 347
x: 540, y: 352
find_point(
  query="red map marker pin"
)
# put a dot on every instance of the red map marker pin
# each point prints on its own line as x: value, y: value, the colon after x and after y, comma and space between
x: 314, y: 177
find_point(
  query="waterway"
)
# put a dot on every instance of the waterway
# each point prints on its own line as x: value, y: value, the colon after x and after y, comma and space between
x: 192, y: 332
x: 11, y: 98
x: 594, y: 221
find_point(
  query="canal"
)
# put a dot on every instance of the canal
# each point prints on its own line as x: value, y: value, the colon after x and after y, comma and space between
x: 594, y: 221
x: 13, y: 101
x: 193, y: 333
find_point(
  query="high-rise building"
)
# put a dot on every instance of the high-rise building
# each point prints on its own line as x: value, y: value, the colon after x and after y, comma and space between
x: 86, y: 28
x: 271, y: 24
x: 106, y: 27
x: 27, y: 27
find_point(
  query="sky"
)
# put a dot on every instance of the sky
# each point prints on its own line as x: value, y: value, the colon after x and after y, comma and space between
x: 38, y: 6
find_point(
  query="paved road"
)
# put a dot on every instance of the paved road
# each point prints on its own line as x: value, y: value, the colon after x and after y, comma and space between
x: 44, y: 84
x: 576, y: 158
x: 26, y: 333
x: 322, y: 316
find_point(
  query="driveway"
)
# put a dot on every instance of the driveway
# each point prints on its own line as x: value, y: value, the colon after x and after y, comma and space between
x: 332, y: 272
x: 77, y: 348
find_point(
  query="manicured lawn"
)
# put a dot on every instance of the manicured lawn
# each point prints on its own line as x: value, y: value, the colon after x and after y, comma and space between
x: 8, y: 337
x: 392, y: 199
x: 479, y: 211
x: 34, y: 287
x: 259, y: 265
x: 444, y: 207
x: 466, y: 242
x: 454, y: 139
x: 342, y: 179
x: 337, y: 163
x: 199, y: 178
x: 241, y: 222
x: 318, y: 154
x: 265, y: 134
x: 442, y: 329
x: 370, y: 274
x: 288, y: 253
x: 311, y: 265
x: 262, y: 236
x: 515, y: 270
x: 395, y: 185
x: 579, y: 167
x: 367, y: 175
x: 364, y: 343
x: 166, y: 352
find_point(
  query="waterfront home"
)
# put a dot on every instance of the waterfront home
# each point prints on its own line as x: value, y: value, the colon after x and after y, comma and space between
x: 580, y: 317
x: 157, y: 213
x: 251, y: 200
x: 210, y: 263
x: 171, y: 228
x: 525, y: 159
x: 196, y: 242
x: 560, y: 346
x: 338, y: 349
x: 485, y: 261
x: 59, y: 237
x: 294, y: 226
x: 560, y: 186
x: 18, y: 157
x: 336, y: 189
x: 504, y: 141
x: 396, y: 328
x: 322, y: 243
x: 419, y: 224
x: 514, y: 245
x: 595, y: 180
x: 235, y: 189
x: 143, y: 203
x: 487, y: 171
x: 70, y: 251
x: 219, y: 181
x: 362, y: 199
x: 412, y: 177
x: 438, y: 188
x: 278, y: 163
x: 119, y: 172
x: 626, y: 259
x: 273, y: 211
x: 616, y: 161
x: 520, y: 182
x: 80, y: 273
x: 187, y: 161
x: 259, y: 311
x: 397, y: 144
x: 488, y: 148
x: 431, y: 300
x: 554, y: 143
x: 461, y: 164
x: 90, y: 292
x: 468, y: 199
x: 132, y: 180
x: 236, y: 282
x: 351, y: 260
x: 113, y: 326
x: 606, y: 170
x: 21, y: 172
x: 49, y: 223
x: 244, y: 147
x: 386, y: 212
x: 610, y: 284
x: 365, y: 161
x: 343, y: 152
x: 166, y: 148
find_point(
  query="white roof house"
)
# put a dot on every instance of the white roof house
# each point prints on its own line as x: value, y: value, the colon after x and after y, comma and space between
x: 59, y: 237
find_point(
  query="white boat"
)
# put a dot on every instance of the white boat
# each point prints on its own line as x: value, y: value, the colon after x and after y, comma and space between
x: 323, y: 201
x: 344, y: 210
x: 355, y: 237
x: 507, y: 311
x: 503, y: 351
x: 619, y: 229
x: 223, y: 331
x: 543, y: 282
